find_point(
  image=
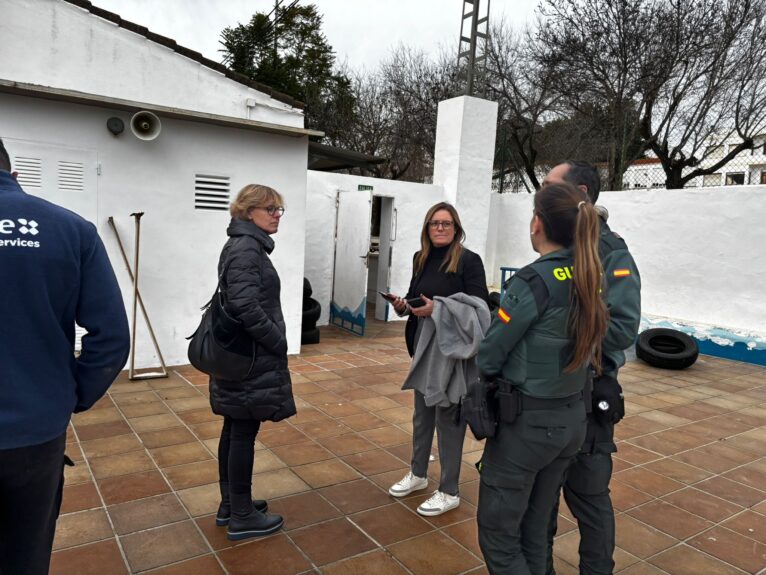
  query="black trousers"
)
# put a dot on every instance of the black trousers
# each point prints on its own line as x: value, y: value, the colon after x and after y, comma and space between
x: 586, y: 491
x: 236, y: 453
x: 31, y: 485
x: 522, y: 470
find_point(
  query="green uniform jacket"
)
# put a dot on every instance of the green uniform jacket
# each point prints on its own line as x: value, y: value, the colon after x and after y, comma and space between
x: 623, y: 299
x: 528, y: 342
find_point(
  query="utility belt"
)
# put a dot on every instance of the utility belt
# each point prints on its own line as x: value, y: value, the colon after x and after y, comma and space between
x: 511, y: 402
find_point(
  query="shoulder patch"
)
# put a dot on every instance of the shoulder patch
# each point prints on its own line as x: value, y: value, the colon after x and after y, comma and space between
x: 621, y: 273
x: 504, y: 317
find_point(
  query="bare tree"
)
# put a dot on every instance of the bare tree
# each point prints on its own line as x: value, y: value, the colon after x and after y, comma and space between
x: 526, y: 96
x: 708, y: 87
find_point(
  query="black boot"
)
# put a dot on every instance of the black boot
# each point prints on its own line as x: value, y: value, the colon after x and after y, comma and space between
x: 246, y: 521
x: 224, y: 509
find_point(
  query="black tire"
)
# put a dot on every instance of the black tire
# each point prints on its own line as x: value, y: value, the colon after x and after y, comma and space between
x: 311, y: 313
x: 494, y: 300
x: 310, y: 337
x: 307, y: 291
x: 667, y: 348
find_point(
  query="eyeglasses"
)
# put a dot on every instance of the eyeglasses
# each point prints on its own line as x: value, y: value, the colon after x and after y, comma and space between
x: 273, y: 210
x: 435, y: 225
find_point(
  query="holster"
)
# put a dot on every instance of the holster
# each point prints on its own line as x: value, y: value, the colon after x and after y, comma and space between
x: 478, y: 408
x: 508, y: 401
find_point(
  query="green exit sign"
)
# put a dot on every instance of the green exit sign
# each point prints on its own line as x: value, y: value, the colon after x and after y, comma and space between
x: 365, y: 188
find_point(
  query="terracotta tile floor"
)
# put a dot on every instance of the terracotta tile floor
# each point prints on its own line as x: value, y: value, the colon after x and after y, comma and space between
x: 689, y: 482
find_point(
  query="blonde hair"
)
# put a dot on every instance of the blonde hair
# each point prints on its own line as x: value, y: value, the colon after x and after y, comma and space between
x: 254, y: 196
x: 451, y: 260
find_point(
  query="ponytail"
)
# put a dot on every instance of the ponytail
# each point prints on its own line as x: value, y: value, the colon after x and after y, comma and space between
x: 569, y: 219
x: 588, y: 321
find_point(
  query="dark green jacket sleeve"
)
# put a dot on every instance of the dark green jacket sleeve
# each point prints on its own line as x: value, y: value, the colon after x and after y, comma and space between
x: 517, y: 312
x: 623, y: 300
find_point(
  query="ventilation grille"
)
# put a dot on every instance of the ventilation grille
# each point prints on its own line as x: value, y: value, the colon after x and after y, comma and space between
x: 30, y: 172
x: 211, y: 192
x: 71, y: 177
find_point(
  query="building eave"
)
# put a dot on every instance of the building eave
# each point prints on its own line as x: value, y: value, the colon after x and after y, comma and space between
x: 75, y: 97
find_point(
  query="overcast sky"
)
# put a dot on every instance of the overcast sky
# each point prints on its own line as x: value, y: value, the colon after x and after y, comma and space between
x: 361, y: 31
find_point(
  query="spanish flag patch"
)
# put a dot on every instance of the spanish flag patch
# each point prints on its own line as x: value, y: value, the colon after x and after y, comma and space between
x: 504, y: 317
x: 621, y: 273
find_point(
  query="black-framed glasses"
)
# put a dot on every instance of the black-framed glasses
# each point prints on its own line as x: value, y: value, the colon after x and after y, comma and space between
x: 446, y: 225
x: 273, y: 210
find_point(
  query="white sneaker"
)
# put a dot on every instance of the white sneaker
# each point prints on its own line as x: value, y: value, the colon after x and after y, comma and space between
x: 407, y: 485
x: 438, y: 503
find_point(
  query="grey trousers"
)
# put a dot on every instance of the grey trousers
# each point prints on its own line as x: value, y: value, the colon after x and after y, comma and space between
x: 450, y: 440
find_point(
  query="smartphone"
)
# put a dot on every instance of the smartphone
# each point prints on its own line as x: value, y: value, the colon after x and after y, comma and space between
x: 389, y: 297
x: 416, y: 302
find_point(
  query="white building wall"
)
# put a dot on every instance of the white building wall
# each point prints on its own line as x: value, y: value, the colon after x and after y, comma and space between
x: 699, y: 251
x: 179, y: 245
x: 411, y: 201
x: 54, y: 43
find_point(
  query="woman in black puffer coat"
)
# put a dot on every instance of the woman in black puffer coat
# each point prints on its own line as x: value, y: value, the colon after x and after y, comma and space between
x: 250, y: 287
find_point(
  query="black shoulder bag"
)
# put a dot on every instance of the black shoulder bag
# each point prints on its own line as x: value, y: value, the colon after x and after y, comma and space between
x: 221, y: 347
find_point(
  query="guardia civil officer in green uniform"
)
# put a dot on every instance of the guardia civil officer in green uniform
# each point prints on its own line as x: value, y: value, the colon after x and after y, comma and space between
x: 538, y: 349
x: 586, y: 487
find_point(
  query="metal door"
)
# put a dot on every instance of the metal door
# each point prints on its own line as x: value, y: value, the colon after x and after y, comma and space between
x: 348, y: 308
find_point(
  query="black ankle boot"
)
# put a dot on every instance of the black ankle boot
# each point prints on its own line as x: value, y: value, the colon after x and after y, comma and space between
x: 224, y: 509
x: 246, y: 521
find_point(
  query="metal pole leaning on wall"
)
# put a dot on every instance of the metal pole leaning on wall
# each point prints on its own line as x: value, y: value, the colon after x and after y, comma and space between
x: 138, y: 300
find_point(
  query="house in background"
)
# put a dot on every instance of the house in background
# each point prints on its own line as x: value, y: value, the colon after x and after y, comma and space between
x: 66, y: 68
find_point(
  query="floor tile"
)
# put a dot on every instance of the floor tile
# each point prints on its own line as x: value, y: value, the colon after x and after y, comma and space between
x: 753, y: 475
x: 284, y: 435
x: 135, y: 486
x: 101, y: 430
x: 323, y: 428
x: 303, y: 509
x: 144, y: 408
x: 670, y: 519
x: 703, y: 504
x: 678, y: 471
x: 201, y: 500
x: 346, y: 444
x: 192, y: 474
x: 388, y: 436
x: 324, y: 473
x: 640, y: 539
x: 94, y: 416
x: 180, y: 454
x: 302, y: 453
x: 81, y: 527
x: 206, y: 565
x: 356, y: 496
x: 740, y: 551
x: 332, y: 541
x: 434, y: 554
x: 373, y: 462
x: 162, y: 546
x: 278, y: 483
x: 165, y: 437
x: 392, y: 523
x: 146, y: 513
x: 122, y: 464
x: 648, y: 481
x: 155, y: 422
x: 683, y: 560
x: 278, y: 552
x: 467, y: 534
x: 80, y: 497
x: 732, y: 491
x: 94, y: 559
x: 749, y: 524
x: 373, y: 563
x: 111, y: 445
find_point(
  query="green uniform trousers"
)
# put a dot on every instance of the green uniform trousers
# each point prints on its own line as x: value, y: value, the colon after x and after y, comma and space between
x: 522, y: 470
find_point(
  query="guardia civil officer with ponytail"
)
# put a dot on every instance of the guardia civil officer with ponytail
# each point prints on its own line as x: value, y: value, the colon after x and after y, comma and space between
x: 586, y: 486
x: 547, y: 331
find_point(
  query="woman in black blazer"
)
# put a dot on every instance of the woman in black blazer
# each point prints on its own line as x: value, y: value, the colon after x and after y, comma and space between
x: 442, y: 267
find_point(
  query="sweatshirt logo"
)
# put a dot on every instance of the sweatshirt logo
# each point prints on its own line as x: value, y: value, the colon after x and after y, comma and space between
x: 24, y: 227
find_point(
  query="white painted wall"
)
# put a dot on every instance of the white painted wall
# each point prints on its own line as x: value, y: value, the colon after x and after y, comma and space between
x: 463, y: 158
x: 54, y: 43
x: 700, y: 251
x: 411, y: 201
x: 179, y: 245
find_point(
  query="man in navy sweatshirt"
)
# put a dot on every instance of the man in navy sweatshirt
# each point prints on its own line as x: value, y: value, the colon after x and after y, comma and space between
x: 54, y: 272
